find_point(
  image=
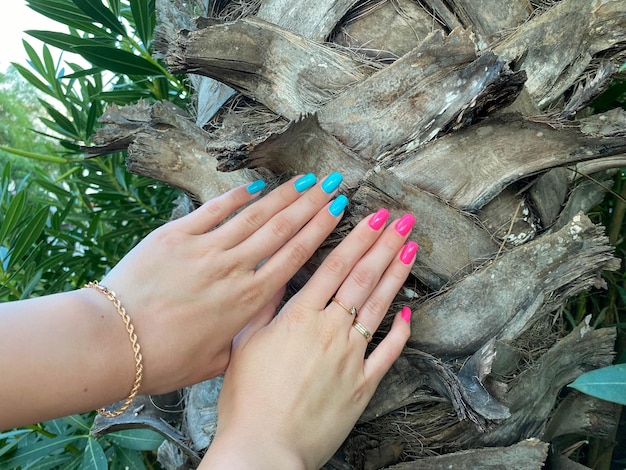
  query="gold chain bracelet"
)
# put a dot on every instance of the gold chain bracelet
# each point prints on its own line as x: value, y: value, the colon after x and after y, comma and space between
x: 136, y: 349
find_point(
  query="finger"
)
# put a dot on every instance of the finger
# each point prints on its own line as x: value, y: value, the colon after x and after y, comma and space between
x: 283, y: 264
x: 263, y: 318
x: 270, y: 237
x: 377, y: 304
x: 367, y: 273
x: 255, y: 216
x: 388, y: 351
x: 338, y: 264
x: 214, y: 211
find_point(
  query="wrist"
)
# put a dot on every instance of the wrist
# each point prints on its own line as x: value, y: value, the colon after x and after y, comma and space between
x: 241, y: 449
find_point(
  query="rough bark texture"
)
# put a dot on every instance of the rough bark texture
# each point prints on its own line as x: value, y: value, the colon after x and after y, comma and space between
x: 466, y: 113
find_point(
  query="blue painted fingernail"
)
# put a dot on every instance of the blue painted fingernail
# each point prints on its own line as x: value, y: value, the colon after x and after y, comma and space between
x: 305, y: 182
x: 338, y: 205
x: 332, y: 182
x: 256, y: 186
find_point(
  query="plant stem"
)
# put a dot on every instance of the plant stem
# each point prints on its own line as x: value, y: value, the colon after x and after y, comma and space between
x: 619, y: 211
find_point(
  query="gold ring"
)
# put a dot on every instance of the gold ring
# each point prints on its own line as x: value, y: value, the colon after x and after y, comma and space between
x: 351, y: 311
x: 361, y: 329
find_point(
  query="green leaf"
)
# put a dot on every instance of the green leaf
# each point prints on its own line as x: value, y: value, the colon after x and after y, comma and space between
x: 12, y: 215
x: 61, y: 121
x: 128, y: 459
x: 143, y: 16
x: 33, y: 80
x: 31, y: 232
x: 34, y: 156
x: 137, y: 439
x: 67, y: 13
x: 93, y: 457
x: 101, y: 14
x: 118, y: 61
x: 608, y: 383
x: 33, y: 57
x: 124, y: 96
x: 78, y: 421
x: 38, y: 449
x: 63, y: 41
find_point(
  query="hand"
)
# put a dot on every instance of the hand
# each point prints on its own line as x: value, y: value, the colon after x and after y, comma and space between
x: 296, y: 384
x: 192, y: 284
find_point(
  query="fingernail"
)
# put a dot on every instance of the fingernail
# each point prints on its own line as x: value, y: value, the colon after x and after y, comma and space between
x: 406, y: 314
x: 305, y: 182
x: 408, y: 252
x: 405, y: 224
x: 379, y: 219
x: 256, y: 186
x: 332, y: 182
x: 338, y: 205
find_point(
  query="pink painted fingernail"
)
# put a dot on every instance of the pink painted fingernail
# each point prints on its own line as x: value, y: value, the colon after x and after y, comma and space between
x: 408, y: 252
x: 405, y: 224
x: 379, y: 219
x: 406, y: 314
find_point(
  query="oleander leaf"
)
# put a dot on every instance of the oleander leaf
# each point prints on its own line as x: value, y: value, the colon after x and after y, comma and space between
x: 607, y: 383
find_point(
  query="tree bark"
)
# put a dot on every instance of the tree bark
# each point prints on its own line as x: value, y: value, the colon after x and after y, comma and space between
x: 466, y: 113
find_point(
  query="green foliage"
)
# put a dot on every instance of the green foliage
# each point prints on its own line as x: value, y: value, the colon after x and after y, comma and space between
x: 58, y: 233
x: 66, y: 220
x: 67, y: 443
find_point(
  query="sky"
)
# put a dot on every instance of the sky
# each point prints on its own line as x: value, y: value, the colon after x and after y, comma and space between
x: 14, y: 19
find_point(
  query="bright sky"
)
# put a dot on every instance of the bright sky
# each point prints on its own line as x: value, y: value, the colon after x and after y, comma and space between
x: 14, y: 19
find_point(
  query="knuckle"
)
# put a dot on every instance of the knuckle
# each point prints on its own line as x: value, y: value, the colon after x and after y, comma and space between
x: 334, y: 264
x: 252, y: 295
x: 253, y: 218
x: 376, y: 306
x: 363, y: 277
x: 299, y: 254
x: 214, y: 208
x: 282, y: 227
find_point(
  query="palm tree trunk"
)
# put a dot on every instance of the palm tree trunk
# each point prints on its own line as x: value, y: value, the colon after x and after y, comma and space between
x: 466, y: 113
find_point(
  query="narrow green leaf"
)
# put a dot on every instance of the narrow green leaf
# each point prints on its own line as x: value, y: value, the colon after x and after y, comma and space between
x: 118, y: 61
x: 33, y: 57
x: 67, y: 13
x: 63, y: 41
x: 92, y: 117
x: 33, y: 80
x: 124, y: 96
x: 79, y: 421
x: 93, y: 457
x: 137, y: 439
x: 608, y: 383
x: 32, y: 283
x: 143, y: 16
x: 34, y: 156
x: 60, y: 120
x: 38, y: 449
x: 101, y: 14
x: 128, y: 459
x: 20, y: 434
x: 31, y: 232
x: 13, y: 214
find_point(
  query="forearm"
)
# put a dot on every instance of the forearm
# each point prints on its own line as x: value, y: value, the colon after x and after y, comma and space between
x: 61, y: 354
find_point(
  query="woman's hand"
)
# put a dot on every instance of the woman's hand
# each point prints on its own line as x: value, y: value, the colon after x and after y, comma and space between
x: 189, y: 288
x: 296, y: 384
x: 193, y: 284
